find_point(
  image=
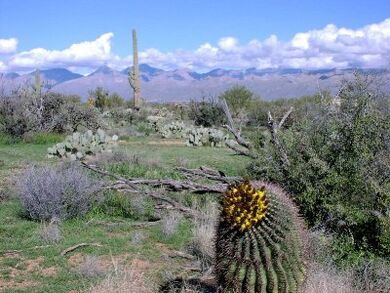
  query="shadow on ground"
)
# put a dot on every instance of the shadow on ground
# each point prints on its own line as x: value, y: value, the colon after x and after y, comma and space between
x: 188, y: 285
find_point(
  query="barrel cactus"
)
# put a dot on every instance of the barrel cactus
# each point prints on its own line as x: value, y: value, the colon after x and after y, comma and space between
x: 260, y: 242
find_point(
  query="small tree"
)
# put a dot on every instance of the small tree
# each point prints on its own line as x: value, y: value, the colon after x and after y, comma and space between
x: 238, y: 98
x: 100, y: 96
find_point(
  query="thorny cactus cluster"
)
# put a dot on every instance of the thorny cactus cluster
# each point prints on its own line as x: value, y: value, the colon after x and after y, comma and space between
x: 78, y: 145
x: 259, y: 246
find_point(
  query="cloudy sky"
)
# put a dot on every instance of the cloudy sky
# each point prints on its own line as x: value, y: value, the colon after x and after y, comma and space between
x: 197, y: 34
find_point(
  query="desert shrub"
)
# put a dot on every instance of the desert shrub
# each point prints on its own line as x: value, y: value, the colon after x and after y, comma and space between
x: 258, y: 109
x: 238, y: 99
x: 75, y: 116
x: 104, y: 101
x: 206, y: 113
x: 337, y: 169
x: 61, y: 192
x: 22, y: 112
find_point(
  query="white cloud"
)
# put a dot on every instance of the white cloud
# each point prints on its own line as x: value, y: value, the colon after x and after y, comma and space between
x: 328, y: 47
x: 84, y: 54
x: 8, y: 45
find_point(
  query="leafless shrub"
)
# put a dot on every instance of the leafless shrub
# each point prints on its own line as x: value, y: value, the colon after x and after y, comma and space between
x: 50, y: 233
x: 123, y: 279
x: 202, y: 245
x: 56, y: 192
x: 170, y: 223
x: 91, y: 267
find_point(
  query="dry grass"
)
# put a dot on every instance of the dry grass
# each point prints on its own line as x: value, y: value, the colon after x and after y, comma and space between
x: 137, y: 237
x: 91, y: 267
x: 325, y: 279
x: 170, y: 223
x: 202, y: 245
x: 122, y: 279
x: 50, y: 233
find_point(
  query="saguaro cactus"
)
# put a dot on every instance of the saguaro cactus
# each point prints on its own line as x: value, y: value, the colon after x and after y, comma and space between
x: 134, y: 74
x: 259, y: 245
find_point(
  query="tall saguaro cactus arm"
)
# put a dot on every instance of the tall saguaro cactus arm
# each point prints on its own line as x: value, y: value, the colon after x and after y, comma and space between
x: 134, y: 74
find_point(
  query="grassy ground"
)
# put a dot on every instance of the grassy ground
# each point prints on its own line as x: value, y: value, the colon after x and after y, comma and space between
x: 29, y: 264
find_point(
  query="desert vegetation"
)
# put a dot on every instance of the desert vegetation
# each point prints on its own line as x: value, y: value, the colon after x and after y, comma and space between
x: 232, y: 193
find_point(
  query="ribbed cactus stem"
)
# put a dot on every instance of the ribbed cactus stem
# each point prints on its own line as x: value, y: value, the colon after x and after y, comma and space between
x: 134, y: 74
x: 37, y: 84
x: 259, y: 246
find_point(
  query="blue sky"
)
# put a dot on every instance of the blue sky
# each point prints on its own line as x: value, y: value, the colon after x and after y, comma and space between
x: 176, y: 33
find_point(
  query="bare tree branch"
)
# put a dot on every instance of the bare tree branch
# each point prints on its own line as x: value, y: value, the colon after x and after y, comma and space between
x: 240, y: 151
x: 273, y: 128
x: 135, y: 186
x: 208, y: 173
x: 285, y: 116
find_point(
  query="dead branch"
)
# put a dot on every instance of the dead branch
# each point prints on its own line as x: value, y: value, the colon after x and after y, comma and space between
x: 174, y: 185
x: 240, y: 151
x: 207, y: 173
x: 72, y: 248
x: 117, y: 223
x: 273, y: 128
x: 285, y: 116
x: 135, y: 186
x: 236, y: 133
x: 176, y: 253
x: 105, y: 173
x: 15, y: 251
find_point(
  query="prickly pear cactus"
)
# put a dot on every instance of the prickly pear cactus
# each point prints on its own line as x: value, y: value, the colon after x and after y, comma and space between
x: 78, y: 145
x: 201, y: 136
x: 259, y: 245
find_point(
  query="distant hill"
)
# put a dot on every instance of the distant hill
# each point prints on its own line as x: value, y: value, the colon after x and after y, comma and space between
x: 183, y: 84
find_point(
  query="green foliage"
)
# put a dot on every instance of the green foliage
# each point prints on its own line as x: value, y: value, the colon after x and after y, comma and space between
x: 258, y: 109
x: 206, y: 113
x: 78, y: 145
x: 43, y: 137
x: 259, y: 242
x: 238, y: 99
x: 6, y: 139
x: 104, y: 100
x: 337, y: 167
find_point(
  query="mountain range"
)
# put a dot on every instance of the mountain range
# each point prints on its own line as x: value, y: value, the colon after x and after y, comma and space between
x: 179, y: 85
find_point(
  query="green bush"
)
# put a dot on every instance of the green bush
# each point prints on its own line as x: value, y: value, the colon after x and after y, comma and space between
x: 338, y: 167
x: 238, y: 99
x: 206, y: 113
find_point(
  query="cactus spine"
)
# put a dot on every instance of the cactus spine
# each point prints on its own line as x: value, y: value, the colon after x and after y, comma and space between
x: 134, y: 74
x: 259, y: 245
